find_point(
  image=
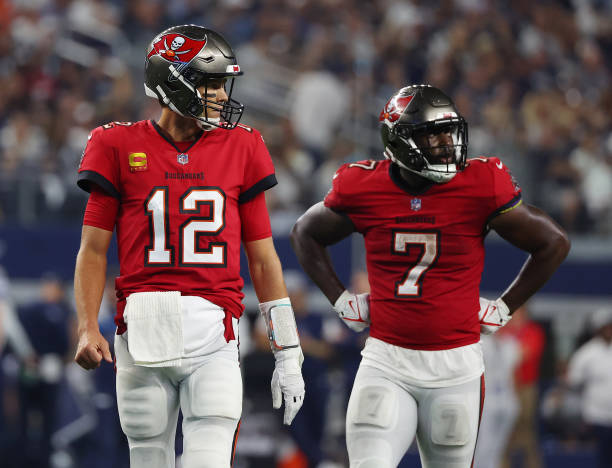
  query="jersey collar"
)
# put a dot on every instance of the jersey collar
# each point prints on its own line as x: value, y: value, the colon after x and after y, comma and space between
x: 161, y: 134
x: 399, y: 181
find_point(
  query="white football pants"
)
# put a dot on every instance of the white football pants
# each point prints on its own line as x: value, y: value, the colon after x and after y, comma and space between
x: 384, y: 415
x: 207, y: 388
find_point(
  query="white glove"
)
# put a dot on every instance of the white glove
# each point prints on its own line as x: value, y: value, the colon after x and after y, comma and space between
x: 287, y: 382
x: 354, y: 310
x: 492, y: 315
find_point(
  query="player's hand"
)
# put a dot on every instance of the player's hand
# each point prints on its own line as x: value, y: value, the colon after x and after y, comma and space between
x: 287, y: 382
x: 92, y: 348
x: 354, y: 310
x: 492, y: 315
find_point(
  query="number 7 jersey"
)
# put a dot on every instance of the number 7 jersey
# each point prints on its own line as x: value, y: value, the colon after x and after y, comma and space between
x: 424, y: 251
x: 178, y: 225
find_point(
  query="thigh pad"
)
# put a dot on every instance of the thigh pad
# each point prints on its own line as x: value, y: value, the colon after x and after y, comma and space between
x: 142, y: 403
x: 214, y: 389
x: 450, y: 423
x: 375, y: 405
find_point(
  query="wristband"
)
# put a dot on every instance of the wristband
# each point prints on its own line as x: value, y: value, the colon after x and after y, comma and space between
x: 280, y: 324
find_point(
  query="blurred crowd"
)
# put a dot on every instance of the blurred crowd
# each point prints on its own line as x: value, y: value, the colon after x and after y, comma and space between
x: 532, y: 79
x: 541, y: 409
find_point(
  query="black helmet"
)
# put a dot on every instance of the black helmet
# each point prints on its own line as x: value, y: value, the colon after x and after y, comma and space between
x: 183, y: 58
x: 421, y: 110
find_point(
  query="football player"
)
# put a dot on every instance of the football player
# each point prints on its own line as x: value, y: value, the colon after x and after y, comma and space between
x: 183, y: 194
x: 424, y: 213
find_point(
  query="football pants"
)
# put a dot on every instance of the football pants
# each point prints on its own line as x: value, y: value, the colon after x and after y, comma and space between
x: 209, y: 391
x: 384, y: 415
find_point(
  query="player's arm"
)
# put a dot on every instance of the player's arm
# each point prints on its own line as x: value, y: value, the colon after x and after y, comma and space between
x: 275, y: 307
x: 89, y: 280
x: 90, y: 277
x: 316, y: 229
x: 313, y: 232
x: 531, y: 230
x: 265, y: 269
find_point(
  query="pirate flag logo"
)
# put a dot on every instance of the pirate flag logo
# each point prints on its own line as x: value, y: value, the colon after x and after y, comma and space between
x: 394, y: 108
x: 176, y: 48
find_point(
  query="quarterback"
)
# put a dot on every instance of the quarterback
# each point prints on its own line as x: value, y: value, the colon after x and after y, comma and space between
x: 183, y: 194
x: 424, y: 212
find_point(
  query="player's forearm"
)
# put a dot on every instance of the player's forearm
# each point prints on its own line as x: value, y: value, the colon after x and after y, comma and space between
x: 267, y: 278
x: 316, y: 262
x: 89, y: 280
x: 536, y: 271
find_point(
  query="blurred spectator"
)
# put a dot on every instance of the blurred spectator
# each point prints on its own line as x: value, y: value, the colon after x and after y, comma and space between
x: 501, y: 356
x: 47, y: 323
x: 590, y: 371
x: 594, y: 165
x: 106, y: 445
x: 524, y: 439
x: 318, y: 105
x: 11, y: 333
x: 308, y: 427
x: 349, y: 343
x: 544, y: 67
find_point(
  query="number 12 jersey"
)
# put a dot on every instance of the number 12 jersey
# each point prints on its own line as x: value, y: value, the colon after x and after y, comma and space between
x: 178, y: 225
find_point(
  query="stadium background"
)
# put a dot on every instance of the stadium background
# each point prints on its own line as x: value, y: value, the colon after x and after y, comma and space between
x: 532, y: 79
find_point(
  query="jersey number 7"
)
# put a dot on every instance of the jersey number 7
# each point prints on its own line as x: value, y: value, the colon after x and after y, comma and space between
x: 428, y: 242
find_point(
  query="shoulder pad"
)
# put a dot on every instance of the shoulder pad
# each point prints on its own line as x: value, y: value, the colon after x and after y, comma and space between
x: 110, y: 125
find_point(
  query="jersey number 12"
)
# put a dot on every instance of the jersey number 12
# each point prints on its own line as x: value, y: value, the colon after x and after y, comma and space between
x: 160, y: 253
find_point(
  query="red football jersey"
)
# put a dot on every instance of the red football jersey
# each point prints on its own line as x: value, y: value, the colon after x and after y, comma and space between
x: 178, y: 226
x: 425, y: 252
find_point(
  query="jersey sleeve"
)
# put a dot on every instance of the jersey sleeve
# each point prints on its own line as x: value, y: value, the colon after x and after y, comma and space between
x: 99, y: 165
x: 336, y: 197
x: 259, y: 170
x: 101, y: 210
x: 506, y: 191
x: 254, y: 219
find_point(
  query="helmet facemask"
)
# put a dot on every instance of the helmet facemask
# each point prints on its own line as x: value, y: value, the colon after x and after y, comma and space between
x: 412, y: 122
x: 184, y: 66
x: 439, y: 164
x: 202, y: 107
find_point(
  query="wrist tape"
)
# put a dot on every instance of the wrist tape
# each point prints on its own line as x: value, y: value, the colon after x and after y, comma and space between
x: 280, y: 324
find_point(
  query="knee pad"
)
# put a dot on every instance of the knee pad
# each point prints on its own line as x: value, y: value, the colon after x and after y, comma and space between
x: 365, y: 452
x: 142, y: 403
x: 213, y: 390
x: 208, y: 442
x: 373, y: 405
x: 450, y: 424
x: 149, y: 457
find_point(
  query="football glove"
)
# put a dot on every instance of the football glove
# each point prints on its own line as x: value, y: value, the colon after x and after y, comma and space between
x: 492, y: 315
x: 287, y: 382
x: 287, y: 378
x: 354, y: 310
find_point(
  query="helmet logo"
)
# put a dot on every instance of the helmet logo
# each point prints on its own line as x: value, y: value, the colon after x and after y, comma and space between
x: 394, y: 108
x: 181, y: 49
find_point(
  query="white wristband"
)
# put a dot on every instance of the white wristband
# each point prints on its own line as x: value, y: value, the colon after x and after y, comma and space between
x: 280, y: 323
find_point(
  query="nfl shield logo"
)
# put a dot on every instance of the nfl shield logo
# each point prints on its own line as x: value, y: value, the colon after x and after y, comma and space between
x: 415, y: 204
x: 182, y: 158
